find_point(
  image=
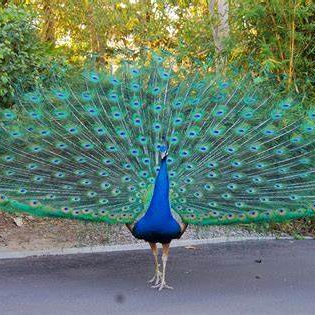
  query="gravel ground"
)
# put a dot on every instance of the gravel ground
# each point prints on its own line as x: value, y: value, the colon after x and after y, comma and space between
x: 29, y: 233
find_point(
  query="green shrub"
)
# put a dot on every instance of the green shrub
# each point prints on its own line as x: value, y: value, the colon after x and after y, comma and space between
x: 24, y: 58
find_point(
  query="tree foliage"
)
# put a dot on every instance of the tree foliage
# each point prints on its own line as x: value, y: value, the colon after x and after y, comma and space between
x: 24, y: 58
x: 278, y: 34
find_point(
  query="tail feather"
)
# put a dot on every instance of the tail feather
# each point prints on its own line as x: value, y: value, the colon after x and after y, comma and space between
x: 89, y: 147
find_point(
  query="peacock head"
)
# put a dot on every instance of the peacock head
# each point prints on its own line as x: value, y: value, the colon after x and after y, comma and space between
x: 164, y: 152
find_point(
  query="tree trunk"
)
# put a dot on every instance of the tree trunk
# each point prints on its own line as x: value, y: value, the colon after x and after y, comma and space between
x: 223, y: 24
x: 48, y: 31
x: 4, y: 3
x: 219, y: 11
x: 96, y: 44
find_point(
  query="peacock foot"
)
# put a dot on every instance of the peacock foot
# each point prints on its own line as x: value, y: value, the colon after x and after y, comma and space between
x: 162, y: 286
x: 156, y: 278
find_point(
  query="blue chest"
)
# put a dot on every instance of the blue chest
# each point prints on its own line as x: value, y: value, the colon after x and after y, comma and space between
x: 157, y: 231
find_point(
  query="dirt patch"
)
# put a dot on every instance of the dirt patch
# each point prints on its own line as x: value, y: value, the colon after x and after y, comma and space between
x: 40, y: 233
x: 29, y: 233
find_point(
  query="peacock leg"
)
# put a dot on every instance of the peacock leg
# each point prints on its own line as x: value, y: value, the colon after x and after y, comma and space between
x: 157, y: 275
x: 165, y: 251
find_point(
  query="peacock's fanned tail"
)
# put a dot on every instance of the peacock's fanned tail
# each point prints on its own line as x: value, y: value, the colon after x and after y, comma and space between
x: 88, y: 148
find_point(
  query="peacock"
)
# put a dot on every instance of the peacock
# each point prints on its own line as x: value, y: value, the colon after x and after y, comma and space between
x: 152, y: 145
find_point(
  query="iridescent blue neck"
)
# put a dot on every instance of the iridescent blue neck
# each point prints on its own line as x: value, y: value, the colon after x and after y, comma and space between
x: 160, y: 204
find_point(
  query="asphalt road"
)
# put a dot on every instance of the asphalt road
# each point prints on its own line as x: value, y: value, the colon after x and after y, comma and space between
x: 254, y: 277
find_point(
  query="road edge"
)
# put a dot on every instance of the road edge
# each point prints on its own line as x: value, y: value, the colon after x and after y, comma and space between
x: 6, y: 254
